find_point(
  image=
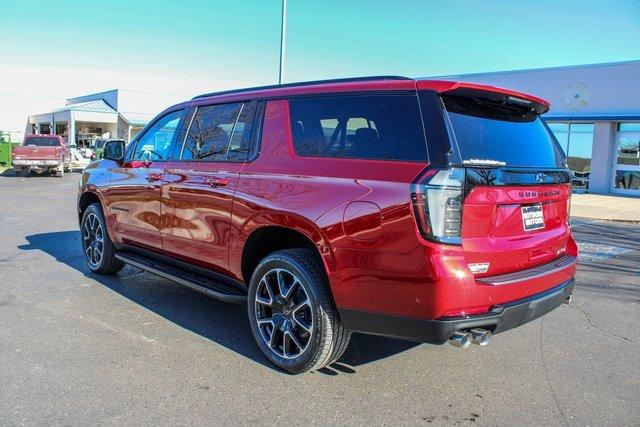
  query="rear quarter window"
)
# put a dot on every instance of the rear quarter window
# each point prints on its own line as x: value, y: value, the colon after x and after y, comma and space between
x: 385, y: 127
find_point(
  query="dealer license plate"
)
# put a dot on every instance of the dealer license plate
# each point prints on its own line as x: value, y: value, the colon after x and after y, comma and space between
x: 532, y: 217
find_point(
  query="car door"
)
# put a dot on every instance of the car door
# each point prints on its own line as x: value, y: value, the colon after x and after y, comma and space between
x: 199, y: 183
x: 133, y: 197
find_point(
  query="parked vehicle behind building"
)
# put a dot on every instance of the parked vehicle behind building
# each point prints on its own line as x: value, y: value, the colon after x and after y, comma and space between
x: 427, y: 210
x: 41, y: 153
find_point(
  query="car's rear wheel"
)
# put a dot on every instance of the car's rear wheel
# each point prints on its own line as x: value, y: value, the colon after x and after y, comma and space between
x: 98, y: 250
x: 292, y: 315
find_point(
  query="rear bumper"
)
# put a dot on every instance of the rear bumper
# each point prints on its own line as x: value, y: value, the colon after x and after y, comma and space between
x: 501, y: 318
x: 36, y: 163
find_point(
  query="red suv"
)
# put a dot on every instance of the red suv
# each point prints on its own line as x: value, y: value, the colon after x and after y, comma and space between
x: 427, y: 210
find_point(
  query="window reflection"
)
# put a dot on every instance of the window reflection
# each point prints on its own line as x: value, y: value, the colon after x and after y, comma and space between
x: 576, y: 140
x: 629, y: 150
x: 156, y: 143
x: 628, y: 180
x: 210, y: 132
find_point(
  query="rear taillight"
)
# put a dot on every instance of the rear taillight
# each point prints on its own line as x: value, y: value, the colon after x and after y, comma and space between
x: 437, y: 203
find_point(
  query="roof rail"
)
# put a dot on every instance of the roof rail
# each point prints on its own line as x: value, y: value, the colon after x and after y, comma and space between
x: 312, y: 82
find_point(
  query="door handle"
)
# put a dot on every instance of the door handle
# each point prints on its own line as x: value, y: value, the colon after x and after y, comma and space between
x: 217, y: 182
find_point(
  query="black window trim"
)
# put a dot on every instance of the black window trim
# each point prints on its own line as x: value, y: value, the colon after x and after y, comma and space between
x: 255, y: 143
x: 411, y: 92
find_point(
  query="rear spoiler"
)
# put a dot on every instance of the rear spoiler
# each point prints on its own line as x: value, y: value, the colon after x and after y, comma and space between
x: 473, y: 90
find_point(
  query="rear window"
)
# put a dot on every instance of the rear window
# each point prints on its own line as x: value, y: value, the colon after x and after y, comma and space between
x: 42, y: 141
x: 492, y: 133
x: 387, y: 127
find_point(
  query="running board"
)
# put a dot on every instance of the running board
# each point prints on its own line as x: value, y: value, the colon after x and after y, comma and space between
x: 197, y: 283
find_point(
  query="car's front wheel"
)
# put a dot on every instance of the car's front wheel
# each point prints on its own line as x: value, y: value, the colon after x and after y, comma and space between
x: 99, y: 252
x: 292, y: 315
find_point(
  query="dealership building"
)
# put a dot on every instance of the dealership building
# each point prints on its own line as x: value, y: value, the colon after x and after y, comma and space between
x: 115, y: 113
x: 595, y: 115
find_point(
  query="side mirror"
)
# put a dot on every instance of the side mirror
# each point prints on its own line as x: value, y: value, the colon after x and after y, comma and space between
x: 114, y: 150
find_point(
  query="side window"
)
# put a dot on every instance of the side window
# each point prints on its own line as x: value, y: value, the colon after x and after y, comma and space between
x: 359, y: 126
x: 241, y: 138
x: 157, y: 142
x: 212, y: 134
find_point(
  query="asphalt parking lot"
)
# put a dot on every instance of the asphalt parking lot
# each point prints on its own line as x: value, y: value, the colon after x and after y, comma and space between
x: 76, y: 348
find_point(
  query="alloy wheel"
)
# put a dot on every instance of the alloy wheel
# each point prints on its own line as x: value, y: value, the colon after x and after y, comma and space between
x: 93, y: 240
x: 283, y: 313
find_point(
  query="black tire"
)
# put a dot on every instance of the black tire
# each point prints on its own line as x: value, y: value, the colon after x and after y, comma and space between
x: 107, y: 262
x: 326, y: 340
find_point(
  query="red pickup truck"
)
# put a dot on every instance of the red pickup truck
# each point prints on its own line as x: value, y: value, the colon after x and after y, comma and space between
x: 41, y: 153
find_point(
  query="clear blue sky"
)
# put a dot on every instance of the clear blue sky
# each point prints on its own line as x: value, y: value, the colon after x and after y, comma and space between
x: 239, y: 39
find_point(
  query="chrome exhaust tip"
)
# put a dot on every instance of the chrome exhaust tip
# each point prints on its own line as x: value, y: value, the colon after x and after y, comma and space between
x: 567, y: 301
x: 480, y: 336
x: 461, y: 339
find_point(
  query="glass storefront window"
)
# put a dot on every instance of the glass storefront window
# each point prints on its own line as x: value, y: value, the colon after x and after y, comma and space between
x: 558, y: 127
x: 561, y: 132
x: 627, y: 180
x: 579, y: 154
x: 629, y: 150
x: 576, y: 139
x: 628, y: 127
x: 627, y: 172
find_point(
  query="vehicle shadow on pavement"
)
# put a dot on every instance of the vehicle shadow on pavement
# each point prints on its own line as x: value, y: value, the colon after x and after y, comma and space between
x: 226, y: 324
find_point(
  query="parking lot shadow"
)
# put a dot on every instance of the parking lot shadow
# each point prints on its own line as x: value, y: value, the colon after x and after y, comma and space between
x: 225, y: 324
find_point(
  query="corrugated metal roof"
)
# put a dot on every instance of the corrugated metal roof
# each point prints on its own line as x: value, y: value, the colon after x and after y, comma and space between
x: 97, y: 106
x: 136, y: 119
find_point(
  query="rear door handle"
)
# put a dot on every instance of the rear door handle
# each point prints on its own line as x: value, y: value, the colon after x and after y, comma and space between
x: 217, y: 182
